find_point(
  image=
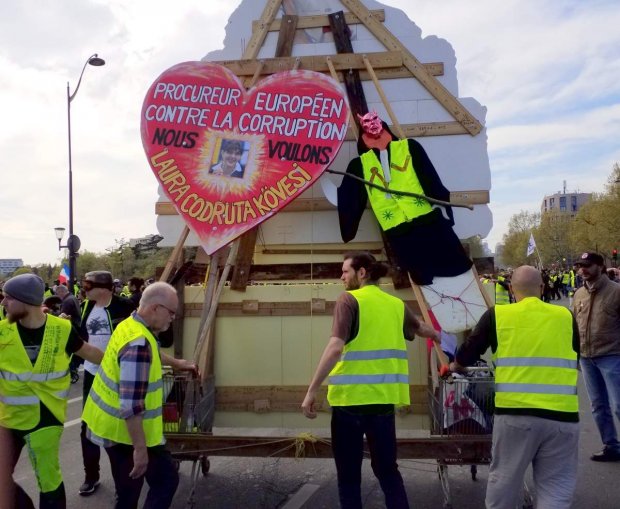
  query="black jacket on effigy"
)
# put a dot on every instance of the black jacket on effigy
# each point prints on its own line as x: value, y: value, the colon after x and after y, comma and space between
x: 425, y: 246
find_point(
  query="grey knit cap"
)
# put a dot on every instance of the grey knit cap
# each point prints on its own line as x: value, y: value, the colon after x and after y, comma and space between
x: 27, y: 288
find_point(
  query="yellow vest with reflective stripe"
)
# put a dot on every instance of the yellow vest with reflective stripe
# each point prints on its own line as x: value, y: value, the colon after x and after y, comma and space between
x: 502, y: 296
x: 23, y: 387
x: 392, y: 209
x: 374, y: 368
x: 536, y: 363
x: 102, y: 409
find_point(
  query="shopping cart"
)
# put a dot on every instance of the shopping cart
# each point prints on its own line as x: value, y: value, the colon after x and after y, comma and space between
x: 462, y: 406
x: 182, y: 394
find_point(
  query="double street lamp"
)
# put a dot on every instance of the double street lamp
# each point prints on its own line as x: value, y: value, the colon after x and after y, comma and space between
x: 73, y: 242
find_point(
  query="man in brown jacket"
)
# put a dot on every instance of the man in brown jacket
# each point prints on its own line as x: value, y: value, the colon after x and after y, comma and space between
x: 597, y: 309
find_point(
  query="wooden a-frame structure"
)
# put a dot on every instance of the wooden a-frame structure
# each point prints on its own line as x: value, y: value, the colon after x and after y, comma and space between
x: 397, y: 61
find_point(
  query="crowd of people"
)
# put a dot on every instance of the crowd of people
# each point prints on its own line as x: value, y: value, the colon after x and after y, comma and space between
x: 113, y: 328
x: 537, y: 349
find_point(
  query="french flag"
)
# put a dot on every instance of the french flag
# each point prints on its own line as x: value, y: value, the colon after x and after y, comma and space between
x: 63, y: 277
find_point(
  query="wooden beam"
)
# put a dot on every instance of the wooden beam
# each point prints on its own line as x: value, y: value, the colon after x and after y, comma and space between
x: 291, y: 308
x: 389, y: 73
x: 247, y: 241
x: 319, y: 20
x: 466, y: 450
x: 343, y: 62
x: 351, y: 78
x: 436, y: 89
x: 287, y: 398
x: 175, y: 254
x: 295, y: 251
x: 262, y: 29
x: 423, y: 130
x: 286, y: 36
x: 473, y: 197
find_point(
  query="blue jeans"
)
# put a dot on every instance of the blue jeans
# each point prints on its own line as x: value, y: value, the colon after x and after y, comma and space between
x: 348, y: 429
x: 602, y: 378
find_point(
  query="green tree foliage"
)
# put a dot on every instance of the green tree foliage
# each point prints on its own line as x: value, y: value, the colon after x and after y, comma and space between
x: 515, y: 240
x: 559, y: 238
x: 597, y: 224
x: 553, y: 239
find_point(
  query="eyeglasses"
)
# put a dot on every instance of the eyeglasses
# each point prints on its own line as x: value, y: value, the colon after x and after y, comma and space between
x: 170, y: 311
x: 89, y: 285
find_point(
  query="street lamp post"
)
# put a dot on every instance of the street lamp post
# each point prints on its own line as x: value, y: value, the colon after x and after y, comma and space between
x: 73, y: 242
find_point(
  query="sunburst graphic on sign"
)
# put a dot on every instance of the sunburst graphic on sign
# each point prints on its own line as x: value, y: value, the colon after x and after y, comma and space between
x: 250, y: 156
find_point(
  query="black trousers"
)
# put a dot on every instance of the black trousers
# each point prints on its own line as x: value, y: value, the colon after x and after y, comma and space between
x: 161, y: 476
x: 91, y: 453
x: 348, y: 430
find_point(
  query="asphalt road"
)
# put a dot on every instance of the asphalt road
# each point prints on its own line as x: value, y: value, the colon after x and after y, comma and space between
x: 259, y: 483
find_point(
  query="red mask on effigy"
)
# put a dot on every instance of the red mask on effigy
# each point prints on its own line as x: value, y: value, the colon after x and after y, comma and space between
x: 371, y: 123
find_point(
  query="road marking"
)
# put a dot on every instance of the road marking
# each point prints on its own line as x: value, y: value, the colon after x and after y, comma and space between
x: 73, y: 422
x: 73, y: 400
x: 298, y: 500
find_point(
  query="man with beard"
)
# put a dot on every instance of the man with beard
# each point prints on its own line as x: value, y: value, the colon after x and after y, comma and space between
x: 596, y: 307
x: 34, y: 383
x: 367, y: 364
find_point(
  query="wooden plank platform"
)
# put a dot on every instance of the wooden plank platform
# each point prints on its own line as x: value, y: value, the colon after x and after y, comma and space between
x: 463, y: 449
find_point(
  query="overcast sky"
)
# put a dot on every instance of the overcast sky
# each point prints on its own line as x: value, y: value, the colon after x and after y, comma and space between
x: 548, y: 72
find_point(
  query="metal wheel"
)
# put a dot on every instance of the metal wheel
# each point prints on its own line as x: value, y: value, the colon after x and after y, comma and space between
x: 205, y: 465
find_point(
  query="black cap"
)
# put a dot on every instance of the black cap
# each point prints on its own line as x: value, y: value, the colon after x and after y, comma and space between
x: 589, y: 259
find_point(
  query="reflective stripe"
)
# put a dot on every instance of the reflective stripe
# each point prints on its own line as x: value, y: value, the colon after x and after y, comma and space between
x: 368, y: 379
x: 546, y: 362
x: 112, y: 385
x: 148, y: 414
x: 566, y: 390
x: 369, y: 355
x: 62, y: 394
x: 29, y: 376
x: 20, y: 400
x: 107, y: 381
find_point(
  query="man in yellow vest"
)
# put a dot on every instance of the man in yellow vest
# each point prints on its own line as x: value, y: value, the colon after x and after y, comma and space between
x: 34, y: 383
x: 366, y: 361
x: 123, y: 412
x: 502, y: 291
x: 536, y: 407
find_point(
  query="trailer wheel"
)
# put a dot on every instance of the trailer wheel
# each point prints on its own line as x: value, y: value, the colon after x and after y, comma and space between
x: 205, y: 465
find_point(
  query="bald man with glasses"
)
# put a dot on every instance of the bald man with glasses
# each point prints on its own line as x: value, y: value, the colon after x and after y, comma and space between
x: 124, y: 408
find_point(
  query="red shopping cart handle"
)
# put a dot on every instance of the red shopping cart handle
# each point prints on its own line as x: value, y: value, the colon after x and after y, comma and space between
x: 444, y: 370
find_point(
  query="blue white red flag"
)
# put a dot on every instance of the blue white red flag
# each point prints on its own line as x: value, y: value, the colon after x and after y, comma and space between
x: 63, y: 277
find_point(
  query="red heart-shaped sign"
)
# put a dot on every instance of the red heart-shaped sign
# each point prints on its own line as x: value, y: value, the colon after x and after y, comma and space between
x: 228, y: 158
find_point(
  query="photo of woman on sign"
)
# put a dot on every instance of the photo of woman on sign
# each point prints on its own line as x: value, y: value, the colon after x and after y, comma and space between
x: 229, y: 164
